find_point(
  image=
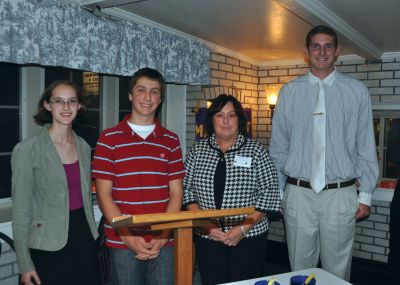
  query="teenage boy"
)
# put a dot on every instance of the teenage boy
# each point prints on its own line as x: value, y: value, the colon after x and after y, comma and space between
x: 139, y: 170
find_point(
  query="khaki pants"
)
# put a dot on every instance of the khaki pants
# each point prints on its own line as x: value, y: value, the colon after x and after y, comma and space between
x: 320, y: 227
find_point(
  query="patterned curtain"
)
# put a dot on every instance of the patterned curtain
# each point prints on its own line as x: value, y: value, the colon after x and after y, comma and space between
x: 52, y: 33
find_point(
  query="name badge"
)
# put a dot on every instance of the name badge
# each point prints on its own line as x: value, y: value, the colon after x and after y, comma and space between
x: 242, y: 161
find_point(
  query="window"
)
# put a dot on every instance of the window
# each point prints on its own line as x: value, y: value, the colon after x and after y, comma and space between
x: 387, y: 136
x: 125, y: 106
x: 9, y: 122
x: 88, y: 126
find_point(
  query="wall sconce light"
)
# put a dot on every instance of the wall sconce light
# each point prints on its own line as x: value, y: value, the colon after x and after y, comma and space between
x: 272, y: 97
x: 271, y: 100
x: 209, y: 103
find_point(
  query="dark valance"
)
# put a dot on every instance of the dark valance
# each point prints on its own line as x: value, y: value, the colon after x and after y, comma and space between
x: 53, y: 33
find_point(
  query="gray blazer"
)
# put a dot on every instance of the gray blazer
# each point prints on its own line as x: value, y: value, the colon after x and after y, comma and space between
x: 40, y: 216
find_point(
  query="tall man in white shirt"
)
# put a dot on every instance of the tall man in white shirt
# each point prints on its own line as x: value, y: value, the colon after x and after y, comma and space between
x: 322, y: 143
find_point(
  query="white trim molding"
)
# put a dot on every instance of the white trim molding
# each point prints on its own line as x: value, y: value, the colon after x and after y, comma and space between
x: 391, y: 55
x: 385, y: 107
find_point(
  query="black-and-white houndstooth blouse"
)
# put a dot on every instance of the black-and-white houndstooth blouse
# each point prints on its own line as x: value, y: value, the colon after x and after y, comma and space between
x: 251, y: 181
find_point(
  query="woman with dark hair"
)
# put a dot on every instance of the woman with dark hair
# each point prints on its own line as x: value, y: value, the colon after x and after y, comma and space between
x: 53, y: 222
x: 228, y: 170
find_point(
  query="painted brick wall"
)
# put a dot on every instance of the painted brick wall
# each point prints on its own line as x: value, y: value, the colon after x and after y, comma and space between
x: 8, y: 266
x: 237, y: 78
x: 372, y: 235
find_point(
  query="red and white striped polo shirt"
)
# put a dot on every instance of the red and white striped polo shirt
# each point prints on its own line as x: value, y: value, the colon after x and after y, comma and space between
x: 140, y: 170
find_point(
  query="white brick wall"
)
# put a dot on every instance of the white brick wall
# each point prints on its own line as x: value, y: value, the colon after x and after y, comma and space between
x: 233, y: 77
x: 372, y: 235
x: 8, y: 266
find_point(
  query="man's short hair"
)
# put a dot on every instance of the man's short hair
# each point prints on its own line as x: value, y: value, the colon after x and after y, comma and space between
x: 151, y: 74
x: 321, y: 30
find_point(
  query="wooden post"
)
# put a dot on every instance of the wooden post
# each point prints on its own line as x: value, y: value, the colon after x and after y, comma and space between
x: 183, y: 268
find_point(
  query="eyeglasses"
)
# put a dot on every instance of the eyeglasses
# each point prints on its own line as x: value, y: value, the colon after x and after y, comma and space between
x: 73, y: 102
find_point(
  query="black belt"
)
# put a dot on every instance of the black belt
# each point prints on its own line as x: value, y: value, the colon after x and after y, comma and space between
x: 306, y: 184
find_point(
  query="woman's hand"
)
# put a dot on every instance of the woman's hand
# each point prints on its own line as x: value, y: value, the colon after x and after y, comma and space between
x: 26, y: 278
x: 233, y: 236
x: 213, y: 231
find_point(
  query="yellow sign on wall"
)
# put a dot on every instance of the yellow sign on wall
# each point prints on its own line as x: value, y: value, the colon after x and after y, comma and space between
x: 91, y: 84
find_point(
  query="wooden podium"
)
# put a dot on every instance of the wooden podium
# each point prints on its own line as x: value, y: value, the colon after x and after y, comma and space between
x: 182, y: 223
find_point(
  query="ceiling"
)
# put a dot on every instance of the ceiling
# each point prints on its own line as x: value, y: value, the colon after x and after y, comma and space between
x: 262, y: 31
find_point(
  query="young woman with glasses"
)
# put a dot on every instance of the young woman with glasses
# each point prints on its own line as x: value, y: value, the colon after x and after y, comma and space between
x: 53, y: 223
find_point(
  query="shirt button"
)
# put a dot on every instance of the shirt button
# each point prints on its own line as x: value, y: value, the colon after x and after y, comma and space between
x: 39, y: 225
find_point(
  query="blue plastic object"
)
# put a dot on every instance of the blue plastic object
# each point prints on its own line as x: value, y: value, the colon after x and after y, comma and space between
x: 265, y: 282
x: 300, y: 279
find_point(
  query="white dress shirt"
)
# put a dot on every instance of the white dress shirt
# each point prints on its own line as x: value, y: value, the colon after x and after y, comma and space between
x: 350, y: 143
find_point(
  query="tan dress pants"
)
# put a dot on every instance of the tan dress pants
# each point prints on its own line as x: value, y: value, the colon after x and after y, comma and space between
x: 320, y: 227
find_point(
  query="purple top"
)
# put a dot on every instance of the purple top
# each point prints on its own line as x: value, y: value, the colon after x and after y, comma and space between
x: 74, y: 185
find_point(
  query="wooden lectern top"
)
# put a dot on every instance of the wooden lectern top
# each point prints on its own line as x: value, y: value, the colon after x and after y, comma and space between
x: 159, y: 218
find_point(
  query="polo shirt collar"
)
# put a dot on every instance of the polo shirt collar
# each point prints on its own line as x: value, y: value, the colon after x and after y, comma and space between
x: 327, y: 80
x: 127, y: 129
